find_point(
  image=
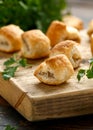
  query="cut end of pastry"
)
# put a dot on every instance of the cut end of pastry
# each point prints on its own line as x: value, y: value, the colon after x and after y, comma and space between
x: 5, y: 44
x: 26, y: 50
x: 54, y: 70
x: 73, y: 34
x: 76, y: 57
x: 10, y: 38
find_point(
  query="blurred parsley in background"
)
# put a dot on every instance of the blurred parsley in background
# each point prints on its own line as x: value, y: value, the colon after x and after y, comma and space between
x: 31, y: 14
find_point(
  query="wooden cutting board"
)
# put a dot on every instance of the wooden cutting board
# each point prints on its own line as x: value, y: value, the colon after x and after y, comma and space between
x: 37, y: 101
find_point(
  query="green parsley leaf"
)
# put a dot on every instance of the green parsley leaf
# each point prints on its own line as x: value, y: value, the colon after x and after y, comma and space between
x: 11, y: 66
x: 80, y: 74
x: 9, y: 72
x: 23, y: 62
x: 91, y: 61
x: 87, y: 72
x: 9, y: 62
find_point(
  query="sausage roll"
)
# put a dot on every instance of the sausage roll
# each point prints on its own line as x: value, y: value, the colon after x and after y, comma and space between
x: 69, y: 48
x: 73, y: 34
x: 54, y: 70
x: 35, y: 44
x: 56, y: 32
x: 73, y: 21
x: 10, y: 38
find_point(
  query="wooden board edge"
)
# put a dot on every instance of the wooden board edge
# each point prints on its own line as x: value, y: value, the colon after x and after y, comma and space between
x: 62, y: 106
x: 18, y: 100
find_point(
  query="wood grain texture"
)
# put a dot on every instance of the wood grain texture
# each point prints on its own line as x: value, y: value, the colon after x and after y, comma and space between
x: 37, y: 101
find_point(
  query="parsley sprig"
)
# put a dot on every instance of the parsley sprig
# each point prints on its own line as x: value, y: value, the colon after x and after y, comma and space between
x: 40, y: 13
x: 11, y: 66
x: 8, y: 127
x: 86, y: 72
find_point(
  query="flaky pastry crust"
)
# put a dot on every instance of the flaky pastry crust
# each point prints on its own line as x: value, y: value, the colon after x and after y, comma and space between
x: 56, y: 32
x: 73, y: 21
x: 69, y: 48
x: 54, y: 70
x: 35, y: 44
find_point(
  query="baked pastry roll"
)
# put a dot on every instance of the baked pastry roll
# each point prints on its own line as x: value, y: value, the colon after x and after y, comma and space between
x: 54, y: 70
x: 91, y: 43
x: 56, y: 32
x: 90, y: 28
x: 10, y: 38
x: 35, y: 44
x: 73, y: 21
x: 73, y: 34
x: 70, y: 49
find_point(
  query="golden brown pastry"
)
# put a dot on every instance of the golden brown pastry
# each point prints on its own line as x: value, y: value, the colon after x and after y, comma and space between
x: 56, y: 32
x: 54, y: 70
x: 73, y: 21
x: 69, y: 48
x: 10, y: 38
x: 91, y: 43
x: 35, y: 44
x: 73, y: 34
x: 90, y: 28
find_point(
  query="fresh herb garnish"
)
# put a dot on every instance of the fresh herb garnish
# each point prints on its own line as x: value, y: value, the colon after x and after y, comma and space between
x: 8, y: 127
x: 11, y: 66
x: 37, y: 13
x: 86, y: 72
x: 9, y: 72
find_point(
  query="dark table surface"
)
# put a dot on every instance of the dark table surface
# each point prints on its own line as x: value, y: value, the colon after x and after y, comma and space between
x: 9, y: 116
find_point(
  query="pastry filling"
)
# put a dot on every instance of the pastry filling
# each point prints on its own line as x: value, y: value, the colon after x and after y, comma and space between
x: 47, y: 74
x: 4, y: 44
x: 76, y: 60
x: 26, y: 46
